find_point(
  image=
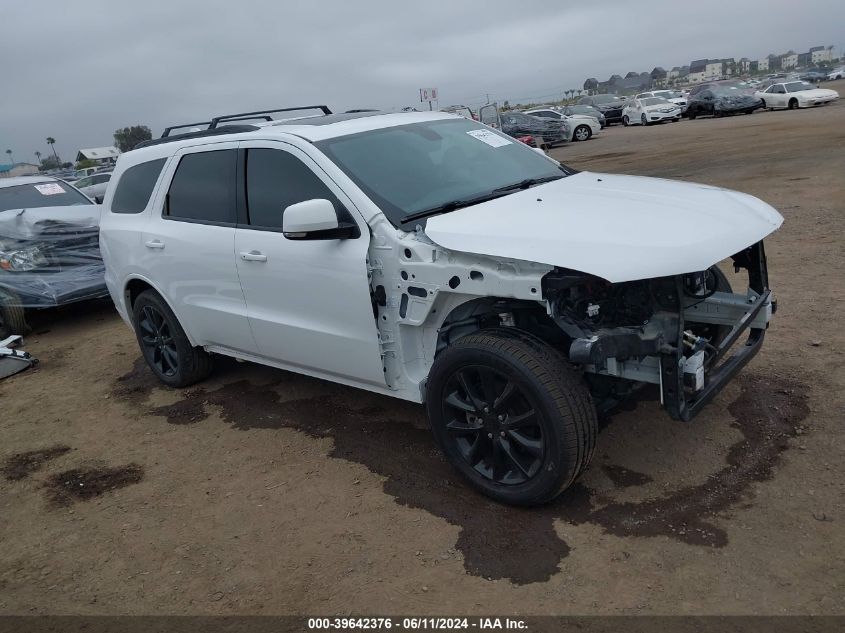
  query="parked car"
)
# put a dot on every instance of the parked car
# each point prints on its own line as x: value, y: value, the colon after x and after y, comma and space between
x: 49, y: 248
x: 431, y: 258
x: 814, y: 76
x: 650, y: 110
x: 670, y: 95
x: 582, y: 126
x: 94, y: 186
x: 795, y: 94
x: 464, y: 111
x: 570, y: 110
x: 719, y: 100
x: 839, y: 73
x: 609, y: 105
x: 517, y: 124
x: 82, y: 173
x: 736, y: 86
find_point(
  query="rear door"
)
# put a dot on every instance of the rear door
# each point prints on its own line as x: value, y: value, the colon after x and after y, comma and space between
x: 308, y: 301
x: 189, y: 246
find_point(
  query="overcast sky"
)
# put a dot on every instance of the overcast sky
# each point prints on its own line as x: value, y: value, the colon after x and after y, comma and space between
x: 78, y: 71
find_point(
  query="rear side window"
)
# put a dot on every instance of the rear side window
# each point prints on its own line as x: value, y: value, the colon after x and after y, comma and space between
x: 276, y: 179
x: 135, y: 187
x: 203, y: 188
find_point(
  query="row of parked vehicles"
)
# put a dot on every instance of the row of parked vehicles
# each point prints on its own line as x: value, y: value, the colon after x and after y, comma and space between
x: 581, y: 121
x: 419, y: 255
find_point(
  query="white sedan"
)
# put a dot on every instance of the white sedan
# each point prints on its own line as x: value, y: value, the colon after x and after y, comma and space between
x: 670, y: 95
x: 795, y: 94
x: 583, y: 126
x: 650, y: 110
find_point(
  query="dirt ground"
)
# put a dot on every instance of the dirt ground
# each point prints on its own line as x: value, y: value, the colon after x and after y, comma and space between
x: 261, y: 491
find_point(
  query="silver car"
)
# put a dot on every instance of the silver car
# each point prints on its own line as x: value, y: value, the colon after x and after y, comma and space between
x: 94, y: 186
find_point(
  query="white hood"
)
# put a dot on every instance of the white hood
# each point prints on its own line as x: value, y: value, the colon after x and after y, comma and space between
x: 818, y: 93
x: 620, y: 228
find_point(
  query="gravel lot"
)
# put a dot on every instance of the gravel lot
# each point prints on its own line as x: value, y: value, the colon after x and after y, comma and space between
x: 262, y: 491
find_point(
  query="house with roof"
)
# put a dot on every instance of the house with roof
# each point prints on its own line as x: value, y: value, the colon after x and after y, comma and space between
x: 18, y: 169
x: 789, y: 60
x: 762, y: 65
x: 705, y: 70
x: 821, y: 54
x: 101, y: 155
x: 743, y: 66
x: 678, y: 74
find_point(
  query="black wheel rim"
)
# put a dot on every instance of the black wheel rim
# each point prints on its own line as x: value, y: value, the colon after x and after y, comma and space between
x: 493, y: 424
x: 158, y: 343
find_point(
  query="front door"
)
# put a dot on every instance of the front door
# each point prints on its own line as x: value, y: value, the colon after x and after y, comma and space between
x: 308, y: 301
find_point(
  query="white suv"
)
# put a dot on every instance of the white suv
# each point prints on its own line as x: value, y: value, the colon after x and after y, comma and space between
x: 428, y: 257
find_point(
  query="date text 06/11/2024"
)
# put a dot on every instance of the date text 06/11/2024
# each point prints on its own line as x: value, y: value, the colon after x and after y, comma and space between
x: 415, y: 623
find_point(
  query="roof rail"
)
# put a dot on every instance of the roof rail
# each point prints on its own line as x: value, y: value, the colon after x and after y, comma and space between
x: 168, y: 130
x: 261, y: 114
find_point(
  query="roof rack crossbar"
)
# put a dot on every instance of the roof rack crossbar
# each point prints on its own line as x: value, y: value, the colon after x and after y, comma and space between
x: 168, y: 130
x: 262, y: 114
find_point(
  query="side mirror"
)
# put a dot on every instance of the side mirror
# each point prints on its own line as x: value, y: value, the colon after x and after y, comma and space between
x: 98, y: 199
x: 316, y: 220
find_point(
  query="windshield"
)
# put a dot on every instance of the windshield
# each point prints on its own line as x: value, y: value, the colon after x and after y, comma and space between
x: 605, y: 99
x: 582, y: 109
x: 656, y: 101
x: 40, y: 194
x: 412, y: 168
x: 798, y: 86
x: 723, y: 90
x: 665, y: 94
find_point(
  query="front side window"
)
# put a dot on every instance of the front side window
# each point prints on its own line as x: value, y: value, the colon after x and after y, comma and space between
x: 276, y: 179
x: 203, y: 188
x: 136, y: 186
x: 40, y: 194
x: 414, y: 168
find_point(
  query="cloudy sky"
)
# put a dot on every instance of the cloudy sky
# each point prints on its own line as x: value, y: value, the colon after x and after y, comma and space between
x: 78, y: 71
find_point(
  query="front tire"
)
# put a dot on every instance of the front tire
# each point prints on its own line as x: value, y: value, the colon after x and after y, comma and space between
x: 793, y: 104
x: 12, y: 315
x: 625, y: 121
x: 644, y: 120
x: 582, y: 133
x: 511, y: 416
x: 164, y: 344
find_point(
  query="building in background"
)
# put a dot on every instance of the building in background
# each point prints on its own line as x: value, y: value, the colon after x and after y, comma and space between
x: 101, y: 155
x: 789, y: 60
x: 18, y: 169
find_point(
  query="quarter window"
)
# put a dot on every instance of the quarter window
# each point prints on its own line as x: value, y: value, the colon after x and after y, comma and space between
x: 276, y: 179
x: 136, y: 186
x: 203, y: 188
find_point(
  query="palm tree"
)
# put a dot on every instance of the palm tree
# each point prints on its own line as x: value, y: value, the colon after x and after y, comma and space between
x: 52, y: 143
x: 9, y: 152
x: 38, y: 157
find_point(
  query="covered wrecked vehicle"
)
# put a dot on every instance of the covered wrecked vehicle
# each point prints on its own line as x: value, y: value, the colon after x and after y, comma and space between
x: 49, y: 248
x: 718, y: 100
x: 535, y: 131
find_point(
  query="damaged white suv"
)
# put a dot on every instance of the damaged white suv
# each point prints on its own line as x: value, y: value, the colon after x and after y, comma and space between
x: 428, y: 257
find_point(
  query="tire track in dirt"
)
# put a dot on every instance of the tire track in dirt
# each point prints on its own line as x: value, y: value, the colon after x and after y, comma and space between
x: 496, y: 541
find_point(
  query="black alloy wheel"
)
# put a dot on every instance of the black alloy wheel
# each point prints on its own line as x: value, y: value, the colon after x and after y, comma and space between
x: 494, y: 425
x: 157, y: 340
x: 512, y: 416
x: 164, y: 344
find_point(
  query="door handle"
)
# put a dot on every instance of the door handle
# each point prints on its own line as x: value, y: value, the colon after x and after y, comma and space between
x: 254, y: 256
x: 154, y: 244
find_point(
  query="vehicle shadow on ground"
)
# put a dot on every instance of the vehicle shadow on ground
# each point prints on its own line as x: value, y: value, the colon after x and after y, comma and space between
x: 390, y: 438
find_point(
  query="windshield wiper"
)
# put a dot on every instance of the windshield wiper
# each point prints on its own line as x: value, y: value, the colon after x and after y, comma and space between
x: 528, y: 182
x: 451, y: 206
x: 460, y: 204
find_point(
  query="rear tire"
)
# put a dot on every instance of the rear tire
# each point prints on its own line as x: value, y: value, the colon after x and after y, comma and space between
x: 511, y: 416
x: 625, y: 121
x: 12, y: 315
x: 164, y: 344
